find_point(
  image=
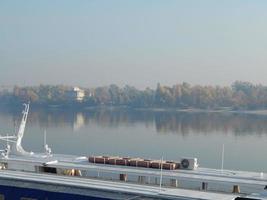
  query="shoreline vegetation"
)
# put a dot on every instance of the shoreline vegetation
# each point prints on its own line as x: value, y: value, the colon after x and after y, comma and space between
x: 253, y: 112
x: 189, y: 110
x: 240, y: 97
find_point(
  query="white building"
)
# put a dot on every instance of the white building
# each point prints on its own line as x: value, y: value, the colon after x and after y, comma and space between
x: 76, y: 94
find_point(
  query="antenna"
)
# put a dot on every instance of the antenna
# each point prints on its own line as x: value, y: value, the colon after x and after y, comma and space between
x: 160, y: 181
x: 222, y: 157
x: 15, y: 126
x: 7, y: 139
x: 44, y: 138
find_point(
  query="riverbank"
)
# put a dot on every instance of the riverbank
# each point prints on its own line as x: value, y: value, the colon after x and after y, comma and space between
x: 196, y: 110
x: 80, y: 108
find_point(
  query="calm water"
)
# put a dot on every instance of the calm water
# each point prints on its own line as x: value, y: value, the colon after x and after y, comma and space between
x: 148, y: 134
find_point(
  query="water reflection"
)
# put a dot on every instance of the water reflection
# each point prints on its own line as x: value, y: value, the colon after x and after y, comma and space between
x: 164, y: 122
x: 78, y: 122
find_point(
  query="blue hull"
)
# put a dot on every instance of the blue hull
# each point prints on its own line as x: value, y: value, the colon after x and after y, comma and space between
x: 17, y: 193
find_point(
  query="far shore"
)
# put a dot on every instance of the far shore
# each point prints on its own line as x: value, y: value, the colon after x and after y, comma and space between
x: 197, y: 110
x: 114, y: 108
x: 187, y: 110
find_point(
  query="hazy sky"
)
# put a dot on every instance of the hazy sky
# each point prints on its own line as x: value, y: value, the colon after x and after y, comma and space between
x: 138, y: 42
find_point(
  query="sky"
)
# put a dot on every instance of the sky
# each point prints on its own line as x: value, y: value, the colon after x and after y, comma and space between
x: 141, y: 43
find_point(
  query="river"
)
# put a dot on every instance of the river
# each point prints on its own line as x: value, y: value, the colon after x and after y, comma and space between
x: 148, y: 134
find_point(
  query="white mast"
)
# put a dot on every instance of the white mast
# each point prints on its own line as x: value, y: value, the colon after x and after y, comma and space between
x: 17, y: 148
x: 222, y: 157
x: 160, y: 181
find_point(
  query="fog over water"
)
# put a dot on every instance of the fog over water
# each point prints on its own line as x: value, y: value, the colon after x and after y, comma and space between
x: 140, y: 43
x: 149, y: 134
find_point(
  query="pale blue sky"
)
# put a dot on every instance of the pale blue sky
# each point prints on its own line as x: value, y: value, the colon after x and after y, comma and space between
x: 138, y: 42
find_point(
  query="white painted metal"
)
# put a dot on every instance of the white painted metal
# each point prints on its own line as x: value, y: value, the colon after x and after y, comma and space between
x: 118, y: 187
x: 17, y: 148
x: 222, y: 157
x: 160, y: 181
x: 192, y: 163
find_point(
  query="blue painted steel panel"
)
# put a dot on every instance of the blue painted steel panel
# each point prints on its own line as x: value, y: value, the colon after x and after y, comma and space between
x: 16, y: 193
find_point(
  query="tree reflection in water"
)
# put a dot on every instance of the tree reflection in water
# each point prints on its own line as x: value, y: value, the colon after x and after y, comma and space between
x: 165, y: 122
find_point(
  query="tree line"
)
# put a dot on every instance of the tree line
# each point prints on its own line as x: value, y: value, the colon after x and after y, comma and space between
x: 240, y: 95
